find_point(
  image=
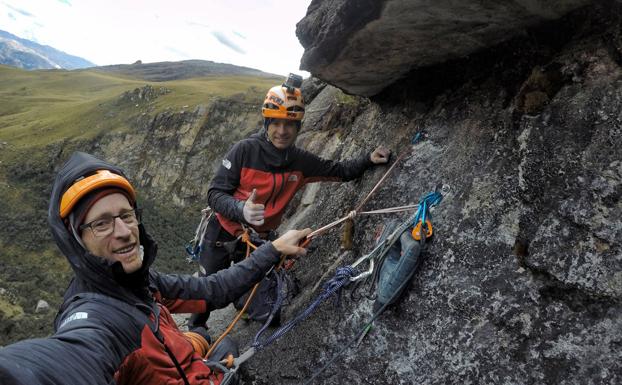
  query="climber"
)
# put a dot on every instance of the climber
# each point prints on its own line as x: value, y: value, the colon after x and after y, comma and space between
x: 115, y: 325
x: 259, y: 177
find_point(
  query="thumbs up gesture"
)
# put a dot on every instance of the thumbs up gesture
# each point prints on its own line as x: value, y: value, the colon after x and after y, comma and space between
x: 253, y: 212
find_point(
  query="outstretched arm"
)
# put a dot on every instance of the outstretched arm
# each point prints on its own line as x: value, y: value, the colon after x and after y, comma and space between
x: 87, y: 349
x: 222, y: 288
x: 318, y: 169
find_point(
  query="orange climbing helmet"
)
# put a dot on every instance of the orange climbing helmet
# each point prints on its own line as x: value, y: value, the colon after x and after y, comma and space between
x: 83, y: 186
x: 285, y: 101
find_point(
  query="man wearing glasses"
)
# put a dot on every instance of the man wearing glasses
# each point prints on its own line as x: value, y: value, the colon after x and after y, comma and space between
x: 115, y: 325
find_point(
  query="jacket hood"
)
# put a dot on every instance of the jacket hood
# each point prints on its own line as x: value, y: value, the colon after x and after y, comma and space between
x: 92, y: 273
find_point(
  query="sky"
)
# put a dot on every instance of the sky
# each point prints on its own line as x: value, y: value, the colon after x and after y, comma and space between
x: 252, y: 33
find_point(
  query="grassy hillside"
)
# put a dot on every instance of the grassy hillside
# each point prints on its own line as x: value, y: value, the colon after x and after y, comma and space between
x: 43, y: 106
x: 186, y: 69
x: 44, y: 115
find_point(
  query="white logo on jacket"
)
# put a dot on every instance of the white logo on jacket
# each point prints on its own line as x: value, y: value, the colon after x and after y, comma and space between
x: 292, y: 178
x: 226, y: 163
x: 73, y: 317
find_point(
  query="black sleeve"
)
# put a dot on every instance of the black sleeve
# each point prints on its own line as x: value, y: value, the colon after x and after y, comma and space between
x: 318, y: 169
x: 227, y: 179
x: 86, y: 350
x: 221, y: 288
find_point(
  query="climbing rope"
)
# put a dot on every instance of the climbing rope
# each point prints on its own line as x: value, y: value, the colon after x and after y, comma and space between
x: 342, y: 278
x: 352, y: 214
x: 331, y: 288
x: 279, y: 273
x: 246, y: 238
x: 418, y: 136
x: 357, y: 211
x: 364, y: 330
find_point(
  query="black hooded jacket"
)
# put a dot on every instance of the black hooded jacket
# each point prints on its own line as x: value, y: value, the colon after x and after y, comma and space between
x: 112, y: 326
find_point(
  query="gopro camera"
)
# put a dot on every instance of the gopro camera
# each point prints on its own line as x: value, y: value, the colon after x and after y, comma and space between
x: 293, y: 81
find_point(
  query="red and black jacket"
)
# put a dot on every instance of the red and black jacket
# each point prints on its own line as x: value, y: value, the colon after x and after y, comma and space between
x: 116, y: 328
x: 254, y: 163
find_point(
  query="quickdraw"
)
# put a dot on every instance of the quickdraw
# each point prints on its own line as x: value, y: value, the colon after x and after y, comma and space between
x: 195, y: 246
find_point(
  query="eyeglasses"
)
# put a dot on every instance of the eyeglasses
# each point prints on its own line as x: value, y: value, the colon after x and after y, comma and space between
x: 103, y: 227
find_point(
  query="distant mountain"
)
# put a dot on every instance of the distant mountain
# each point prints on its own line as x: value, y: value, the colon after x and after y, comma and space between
x: 23, y: 53
x: 166, y: 71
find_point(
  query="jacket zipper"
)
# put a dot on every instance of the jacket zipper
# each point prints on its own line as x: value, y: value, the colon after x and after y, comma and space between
x: 280, y: 190
x: 271, y: 192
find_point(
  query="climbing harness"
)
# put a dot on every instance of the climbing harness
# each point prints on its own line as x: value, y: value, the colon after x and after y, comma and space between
x: 195, y: 246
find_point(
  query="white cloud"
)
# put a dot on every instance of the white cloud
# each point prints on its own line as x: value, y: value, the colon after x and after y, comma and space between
x: 226, y: 41
x: 253, y: 33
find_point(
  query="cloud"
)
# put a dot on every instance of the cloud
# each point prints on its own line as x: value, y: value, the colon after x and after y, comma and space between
x: 239, y: 34
x: 25, y: 13
x: 65, y: 2
x: 224, y: 40
x: 11, y: 16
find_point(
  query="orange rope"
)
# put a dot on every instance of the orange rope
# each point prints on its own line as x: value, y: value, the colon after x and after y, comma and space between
x: 199, y: 343
x: 247, y: 239
x: 235, y: 321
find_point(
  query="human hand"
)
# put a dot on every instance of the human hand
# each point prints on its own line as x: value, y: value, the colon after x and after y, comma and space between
x: 380, y: 155
x: 253, y: 212
x: 288, y: 243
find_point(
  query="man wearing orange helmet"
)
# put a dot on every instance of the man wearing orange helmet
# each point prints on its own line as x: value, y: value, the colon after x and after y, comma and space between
x: 115, y: 325
x: 260, y: 175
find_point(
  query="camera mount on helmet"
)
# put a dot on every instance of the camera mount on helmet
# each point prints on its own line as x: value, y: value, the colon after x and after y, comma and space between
x: 292, y: 82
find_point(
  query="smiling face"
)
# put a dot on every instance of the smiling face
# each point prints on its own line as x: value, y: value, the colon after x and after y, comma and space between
x: 282, y: 133
x: 123, y: 243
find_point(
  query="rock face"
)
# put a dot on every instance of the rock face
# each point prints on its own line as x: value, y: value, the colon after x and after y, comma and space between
x: 523, y: 281
x: 42, y: 306
x: 362, y: 46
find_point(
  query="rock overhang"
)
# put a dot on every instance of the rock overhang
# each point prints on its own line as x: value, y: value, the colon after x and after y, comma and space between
x: 363, y: 46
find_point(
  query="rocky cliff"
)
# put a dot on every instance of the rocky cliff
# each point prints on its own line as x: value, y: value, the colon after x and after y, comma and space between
x: 523, y: 280
x: 364, y: 46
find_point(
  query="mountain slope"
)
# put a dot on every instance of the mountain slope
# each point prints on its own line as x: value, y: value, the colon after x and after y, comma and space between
x: 186, y: 69
x: 26, y: 54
